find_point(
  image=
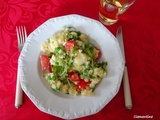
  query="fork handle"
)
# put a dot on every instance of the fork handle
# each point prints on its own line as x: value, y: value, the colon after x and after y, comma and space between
x: 19, y: 93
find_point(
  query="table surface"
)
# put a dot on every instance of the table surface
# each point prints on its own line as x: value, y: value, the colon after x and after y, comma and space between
x: 141, y: 28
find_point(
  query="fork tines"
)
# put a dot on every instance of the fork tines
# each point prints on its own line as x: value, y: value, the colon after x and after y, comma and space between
x: 21, y: 34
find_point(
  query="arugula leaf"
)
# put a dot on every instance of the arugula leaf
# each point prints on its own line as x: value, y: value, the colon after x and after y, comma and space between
x: 57, y: 89
x: 51, y: 78
x: 102, y: 64
x: 71, y: 36
x: 57, y: 69
x: 89, y: 50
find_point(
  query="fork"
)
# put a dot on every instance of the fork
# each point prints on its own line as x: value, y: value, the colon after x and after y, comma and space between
x: 21, y: 36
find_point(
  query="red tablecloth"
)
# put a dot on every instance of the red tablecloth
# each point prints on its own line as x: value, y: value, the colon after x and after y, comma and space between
x: 141, y: 28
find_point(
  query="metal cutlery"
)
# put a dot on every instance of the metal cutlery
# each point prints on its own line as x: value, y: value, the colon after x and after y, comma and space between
x: 21, y: 36
x: 126, y: 86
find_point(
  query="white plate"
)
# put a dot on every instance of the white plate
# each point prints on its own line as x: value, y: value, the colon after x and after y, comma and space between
x: 59, y: 104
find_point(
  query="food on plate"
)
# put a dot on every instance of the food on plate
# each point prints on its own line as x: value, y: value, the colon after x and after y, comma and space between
x: 71, y: 63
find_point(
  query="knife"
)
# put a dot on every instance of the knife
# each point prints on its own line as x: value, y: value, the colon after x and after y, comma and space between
x: 126, y: 86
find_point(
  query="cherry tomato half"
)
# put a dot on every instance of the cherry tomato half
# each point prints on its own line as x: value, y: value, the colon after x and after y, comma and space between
x: 82, y: 85
x: 73, y: 76
x: 69, y: 45
x: 45, y: 64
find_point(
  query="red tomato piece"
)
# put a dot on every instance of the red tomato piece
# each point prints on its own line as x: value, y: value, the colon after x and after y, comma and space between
x: 50, y: 68
x: 99, y: 53
x: 82, y: 85
x: 111, y: 8
x: 45, y: 64
x: 73, y: 76
x: 69, y: 45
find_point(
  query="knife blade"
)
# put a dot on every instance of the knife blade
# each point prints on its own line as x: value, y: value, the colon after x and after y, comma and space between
x: 126, y: 86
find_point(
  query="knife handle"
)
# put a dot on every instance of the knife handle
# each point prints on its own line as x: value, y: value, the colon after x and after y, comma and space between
x: 19, y: 93
x: 126, y: 87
